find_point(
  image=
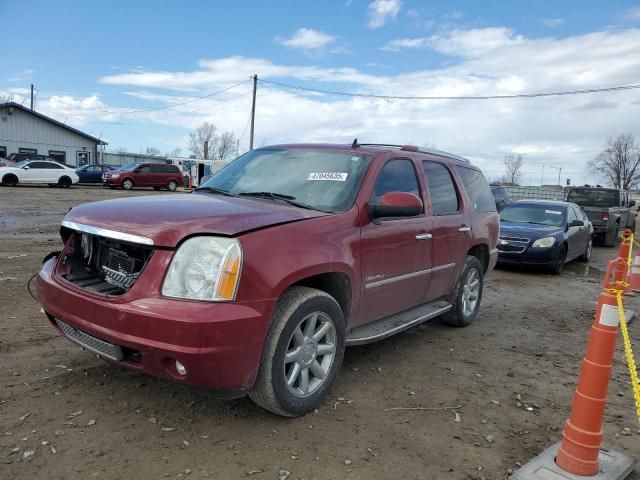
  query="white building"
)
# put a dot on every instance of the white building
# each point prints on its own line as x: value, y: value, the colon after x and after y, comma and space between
x: 23, y: 130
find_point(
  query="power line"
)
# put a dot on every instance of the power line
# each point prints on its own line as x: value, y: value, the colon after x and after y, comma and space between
x: 481, y: 97
x: 158, y: 108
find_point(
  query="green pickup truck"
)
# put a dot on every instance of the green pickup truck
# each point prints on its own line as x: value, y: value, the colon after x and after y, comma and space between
x: 609, y: 210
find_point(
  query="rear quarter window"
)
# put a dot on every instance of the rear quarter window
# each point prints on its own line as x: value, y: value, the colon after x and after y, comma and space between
x: 477, y: 189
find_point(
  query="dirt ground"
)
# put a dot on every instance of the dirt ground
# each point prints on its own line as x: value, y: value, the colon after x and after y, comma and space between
x: 509, y: 377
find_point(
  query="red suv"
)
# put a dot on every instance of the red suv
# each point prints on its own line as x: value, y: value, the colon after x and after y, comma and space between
x: 257, y: 281
x: 156, y: 175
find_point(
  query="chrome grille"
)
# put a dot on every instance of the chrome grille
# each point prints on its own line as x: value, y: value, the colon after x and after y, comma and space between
x: 512, y: 244
x: 106, y: 349
x: 515, y: 239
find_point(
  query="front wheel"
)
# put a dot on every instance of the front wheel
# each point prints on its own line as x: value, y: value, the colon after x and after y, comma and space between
x: 9, y: 181
x: 127, y: 184
x: 557, y: 267
x: 467, y: 294
x: 302, y: 353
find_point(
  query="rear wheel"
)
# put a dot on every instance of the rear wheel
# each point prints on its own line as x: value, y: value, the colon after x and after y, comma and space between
x: 127, y: 184
x: 302, y: 354
x: 467, y: 294
x: 172, y: 185
x: 64, y: 182
x: 586, y: 256
x: 9, y: 180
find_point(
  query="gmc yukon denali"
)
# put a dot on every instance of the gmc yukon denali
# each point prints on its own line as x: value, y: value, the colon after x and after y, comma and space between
x: 256, y: 282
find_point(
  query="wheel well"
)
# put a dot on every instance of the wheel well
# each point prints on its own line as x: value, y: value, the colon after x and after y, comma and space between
x: 336, y: 284
x: 9, y: 175
x: 481, y: 252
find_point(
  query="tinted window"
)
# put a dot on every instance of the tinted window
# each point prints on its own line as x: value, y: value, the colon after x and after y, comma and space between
x: 53, y: 165
x: 144, y: 169
x: 572, y: 215
x: 478, y: 190
x: 444, y: 197
x: 397, y: 175
x: 156, y: 168
x: 593, y: 197
x: 38, y: 165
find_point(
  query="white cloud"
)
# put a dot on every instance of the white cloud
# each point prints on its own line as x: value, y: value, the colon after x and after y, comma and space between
x: 307, y: 39
x: 22, y: 76
x: 565, y: 131
x: 400, y: 43
x: 382, y: 10
x: 552, y: 22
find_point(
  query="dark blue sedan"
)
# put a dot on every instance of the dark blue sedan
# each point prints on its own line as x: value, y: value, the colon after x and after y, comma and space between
x: 544, y: 233
x: 92, y: 173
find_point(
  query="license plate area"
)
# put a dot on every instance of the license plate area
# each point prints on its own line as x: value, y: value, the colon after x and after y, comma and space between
x: 91, y: 343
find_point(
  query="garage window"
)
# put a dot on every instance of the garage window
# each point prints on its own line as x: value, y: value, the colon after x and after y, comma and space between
x: 60, y: 156
x: 27, y: 150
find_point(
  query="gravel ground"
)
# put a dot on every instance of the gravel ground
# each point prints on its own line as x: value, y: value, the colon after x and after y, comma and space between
x: 496, y: 393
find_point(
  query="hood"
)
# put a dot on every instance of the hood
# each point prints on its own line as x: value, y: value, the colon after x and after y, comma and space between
x: 527, y: 230
x: 166, y: 219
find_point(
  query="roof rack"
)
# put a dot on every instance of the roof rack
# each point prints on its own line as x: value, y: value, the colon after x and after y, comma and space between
x: 413, y: 148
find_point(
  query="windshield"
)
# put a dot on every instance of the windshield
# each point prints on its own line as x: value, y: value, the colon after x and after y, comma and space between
x: 320, y: 179
x: 127, y: 166
x: 593, y: 197
x: 551, y: 215
x: 21, y: 164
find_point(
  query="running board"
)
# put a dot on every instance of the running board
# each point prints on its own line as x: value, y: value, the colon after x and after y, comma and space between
x: 385, y: 327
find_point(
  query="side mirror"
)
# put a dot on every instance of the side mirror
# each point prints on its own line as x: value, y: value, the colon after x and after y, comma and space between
x: 577, y: 223
x: 26, y: 167
x: 632, y: 203
x: 396, y: 204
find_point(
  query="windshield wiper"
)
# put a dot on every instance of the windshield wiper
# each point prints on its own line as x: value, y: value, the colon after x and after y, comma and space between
x: 214, y: 190
x: 279, y: 196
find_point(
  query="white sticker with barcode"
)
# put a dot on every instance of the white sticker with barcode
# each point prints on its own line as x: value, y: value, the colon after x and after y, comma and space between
x: 334, y: 176
x: 609, y: 316
x: 553, y: 212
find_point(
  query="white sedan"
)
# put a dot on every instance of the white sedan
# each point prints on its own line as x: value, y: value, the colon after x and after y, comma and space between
x: 38, y: 171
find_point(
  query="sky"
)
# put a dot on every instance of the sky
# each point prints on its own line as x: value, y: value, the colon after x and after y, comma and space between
x: 134, y: 73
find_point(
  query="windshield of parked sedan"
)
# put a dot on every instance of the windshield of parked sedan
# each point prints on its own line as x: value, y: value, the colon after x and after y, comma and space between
x: 593, y: 197
x: 551, y: 215
x: 20, y: 164
x: 319, y: 179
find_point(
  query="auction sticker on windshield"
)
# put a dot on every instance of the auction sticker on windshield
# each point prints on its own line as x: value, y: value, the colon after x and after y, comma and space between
x: 553, y: 212
x: 334, y: 176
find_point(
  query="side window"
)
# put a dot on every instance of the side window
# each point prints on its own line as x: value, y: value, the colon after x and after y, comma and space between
x: 444, y: 197
x: 38, y: 165
x: 156, y: 168
x: 144, y: 169
x: 572, y: 215
x: 398, y: 175
x: 52, y: 165
x: 478, y: 190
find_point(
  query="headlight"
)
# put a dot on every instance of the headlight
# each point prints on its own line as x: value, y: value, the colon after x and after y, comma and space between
x: 545, y: 242
x: 115, y: 175
x: 205, y: 268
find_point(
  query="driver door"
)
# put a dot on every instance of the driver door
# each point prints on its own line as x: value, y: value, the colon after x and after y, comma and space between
x: 396, y: 252
x: 33, y: 174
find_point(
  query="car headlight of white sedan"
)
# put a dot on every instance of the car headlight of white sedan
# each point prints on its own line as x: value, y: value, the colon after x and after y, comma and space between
x: 205, y: 268
x: 544, y: 242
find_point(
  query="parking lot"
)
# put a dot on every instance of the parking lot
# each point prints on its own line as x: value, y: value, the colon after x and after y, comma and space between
x: 434, y: 402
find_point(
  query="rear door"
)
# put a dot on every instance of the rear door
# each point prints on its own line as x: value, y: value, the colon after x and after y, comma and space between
x: 575, y: 235
x: 395, y: 252
x: 143, y: 176
x: 451, y: 228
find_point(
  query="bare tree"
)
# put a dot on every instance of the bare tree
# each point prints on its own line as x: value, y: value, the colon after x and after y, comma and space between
x: 175, y: 152
x: 619, y: 162
x: 226, y: 146
x: 153, y: 151
x: 513, y: 167
x: 202, y: 141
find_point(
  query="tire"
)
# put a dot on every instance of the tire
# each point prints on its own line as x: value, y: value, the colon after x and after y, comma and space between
x: 557, y: 268
x: 64, y: 182
x: 295, y: 310
x: 9, y: 180
x: 464, y: 309
x: 127, y: 184
x: 610, y: 237
x: 172, y: 186
x: 586, y: 256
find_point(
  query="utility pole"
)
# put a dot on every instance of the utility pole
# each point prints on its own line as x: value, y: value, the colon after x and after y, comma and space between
x: 32, y: 97
x: 253, y: 110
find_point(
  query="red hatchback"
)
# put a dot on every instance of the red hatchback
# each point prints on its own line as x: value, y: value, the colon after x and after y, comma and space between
x: 256, y: 282
x: 156, y: 175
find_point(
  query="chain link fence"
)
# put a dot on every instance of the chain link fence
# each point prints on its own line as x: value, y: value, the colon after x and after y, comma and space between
x: 538, y: 193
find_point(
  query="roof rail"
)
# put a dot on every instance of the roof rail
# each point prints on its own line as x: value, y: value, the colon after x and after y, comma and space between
x: 412, y: 148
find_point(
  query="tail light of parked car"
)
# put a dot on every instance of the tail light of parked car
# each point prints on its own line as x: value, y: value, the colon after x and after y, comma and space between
x: 605, y: 216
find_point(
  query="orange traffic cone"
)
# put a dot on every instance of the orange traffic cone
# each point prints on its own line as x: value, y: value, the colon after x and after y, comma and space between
x: 622, y: 275
x: 582, y: 435
x: 634, y: 274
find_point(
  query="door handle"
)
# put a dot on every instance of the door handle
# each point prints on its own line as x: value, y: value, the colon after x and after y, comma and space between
x: 423, y: 236
x: 464, y: 229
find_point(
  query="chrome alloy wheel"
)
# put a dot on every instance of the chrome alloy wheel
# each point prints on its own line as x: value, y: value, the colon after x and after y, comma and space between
x: 310, y: 354
x: 470, y: 292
